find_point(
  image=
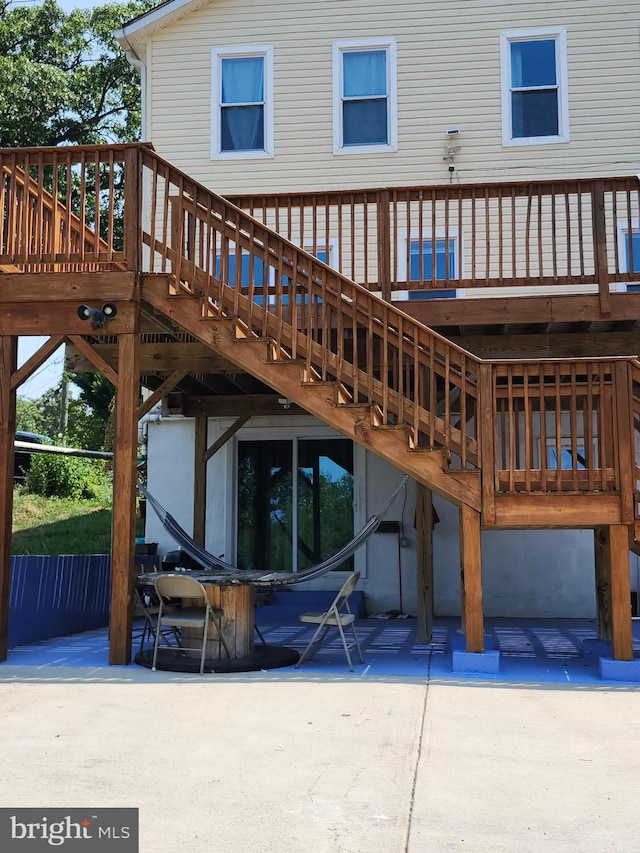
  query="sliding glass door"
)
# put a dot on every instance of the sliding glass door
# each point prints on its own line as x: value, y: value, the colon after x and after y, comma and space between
x: 313, y: 509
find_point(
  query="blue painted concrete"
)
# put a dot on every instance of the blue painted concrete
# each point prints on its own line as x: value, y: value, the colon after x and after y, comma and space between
x: 620, y: 670
x: 532, y: 652
x: 487, y: 662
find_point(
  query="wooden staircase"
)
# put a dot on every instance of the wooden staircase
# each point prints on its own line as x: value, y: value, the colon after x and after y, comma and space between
x: 513, y: 443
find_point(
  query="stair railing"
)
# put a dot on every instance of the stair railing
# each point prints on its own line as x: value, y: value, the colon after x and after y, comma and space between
x: 336, y: 329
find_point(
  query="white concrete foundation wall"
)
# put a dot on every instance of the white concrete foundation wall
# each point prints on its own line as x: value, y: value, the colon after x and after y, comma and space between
x: 546, y: 573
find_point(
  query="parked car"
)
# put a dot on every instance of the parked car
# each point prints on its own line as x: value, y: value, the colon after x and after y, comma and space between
x: 22, y: 458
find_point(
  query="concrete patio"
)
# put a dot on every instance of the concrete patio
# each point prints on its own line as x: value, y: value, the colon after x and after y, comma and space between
x: 399, y: 757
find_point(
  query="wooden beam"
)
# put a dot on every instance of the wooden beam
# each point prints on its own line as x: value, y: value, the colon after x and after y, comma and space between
x: 424, y: 562
x: 554, y: 345
x: 621, y: 634
x: 557, y: 511
x: 36, y: 360
x: 471, y: 578
x: 90, y: 287
x: 61, y: 318
x: 236, y: 405
x: 124, y: 502
x: 226, y: 435
x: 157, y: 358
x: 8, y: 361
x: 602, y: 554
x: 490, y: 311
x: 200, y: 479
x: 91, y: 354
x: 168, y: 385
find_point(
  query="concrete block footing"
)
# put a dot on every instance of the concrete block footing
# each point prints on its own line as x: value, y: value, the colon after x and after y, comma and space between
x: 620, y: 670
x: 487, y: 662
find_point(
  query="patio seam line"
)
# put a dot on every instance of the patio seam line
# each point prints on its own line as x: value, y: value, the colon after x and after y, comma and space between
x: 414, y: 781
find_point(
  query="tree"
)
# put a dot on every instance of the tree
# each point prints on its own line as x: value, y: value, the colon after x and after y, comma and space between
x: 65, y: 80
x: 88, y: 415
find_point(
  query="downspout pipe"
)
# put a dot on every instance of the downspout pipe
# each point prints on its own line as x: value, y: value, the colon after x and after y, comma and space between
x: 139, y: 64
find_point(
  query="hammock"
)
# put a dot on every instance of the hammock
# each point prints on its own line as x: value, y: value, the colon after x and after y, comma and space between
x: 211, y: 563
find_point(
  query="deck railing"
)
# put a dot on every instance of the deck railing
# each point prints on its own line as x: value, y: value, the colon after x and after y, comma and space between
x: 63, y: 208
x: 550, y: 234
x: 560, y: 425
x: 545, y: 426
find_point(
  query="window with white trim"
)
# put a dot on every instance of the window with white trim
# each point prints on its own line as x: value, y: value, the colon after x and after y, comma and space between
x: 433, y: 260
x: 629, y: 247
x: 364, y: 96
x: 535, y: 105
x: 242, y: 111
x: 428, y: 258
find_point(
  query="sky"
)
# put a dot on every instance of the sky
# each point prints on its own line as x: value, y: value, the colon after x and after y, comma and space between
x: 47, y: 375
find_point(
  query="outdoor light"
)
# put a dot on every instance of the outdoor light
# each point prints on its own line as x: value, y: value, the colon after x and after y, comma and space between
x: 98, y: 316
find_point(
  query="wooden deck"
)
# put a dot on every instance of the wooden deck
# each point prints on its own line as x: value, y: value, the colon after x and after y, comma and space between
x: 203, y: 285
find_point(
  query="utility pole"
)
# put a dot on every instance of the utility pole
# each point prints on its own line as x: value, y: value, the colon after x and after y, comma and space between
x: 64, y: 408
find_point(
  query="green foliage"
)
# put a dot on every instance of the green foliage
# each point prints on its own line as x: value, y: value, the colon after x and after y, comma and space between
x: 66, y: 476
x: 96, y: 392
x: 88, y: 416
x: 65, y: 80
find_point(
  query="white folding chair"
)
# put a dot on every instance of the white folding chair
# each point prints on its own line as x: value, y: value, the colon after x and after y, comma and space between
x: 194, y: 611
x: 338, y: 616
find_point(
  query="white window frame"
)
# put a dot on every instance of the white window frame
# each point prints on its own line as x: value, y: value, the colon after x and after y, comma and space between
x: 559, y: 34
x: 440, y: 234
x: 623, y: 234
x: 341, y: 47
x: 217, y: 55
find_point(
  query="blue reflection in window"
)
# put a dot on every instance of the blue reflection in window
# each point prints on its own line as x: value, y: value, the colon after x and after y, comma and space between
x: 445, y: 261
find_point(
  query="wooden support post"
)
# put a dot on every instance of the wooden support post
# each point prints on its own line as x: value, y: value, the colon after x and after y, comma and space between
x: 200, y: 479
x: 384, y: 244
x: 626, y: 450
x: 487, y: 438
x: 8, y: 361
x: 133, y: 208
x: 471, y: 578
x: 124, y: 500
x: 621, y: 635
x: 600, y: 246
x: 424, y: 562
x: 603, y: 581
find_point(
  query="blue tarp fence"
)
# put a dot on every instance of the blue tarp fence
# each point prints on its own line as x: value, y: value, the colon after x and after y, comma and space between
x: 58, y: 595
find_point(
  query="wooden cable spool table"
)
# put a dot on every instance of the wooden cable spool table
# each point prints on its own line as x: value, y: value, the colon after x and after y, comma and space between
x: 232, y: 592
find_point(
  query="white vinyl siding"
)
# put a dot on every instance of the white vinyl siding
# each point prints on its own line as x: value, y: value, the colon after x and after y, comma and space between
x: 535, y: 105
x: 242, y: 107
x: 364, y: 96
x: 448, y: 75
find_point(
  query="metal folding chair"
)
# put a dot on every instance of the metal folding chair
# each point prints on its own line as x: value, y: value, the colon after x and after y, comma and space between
x: 338, y: 616
x: 194, y: 611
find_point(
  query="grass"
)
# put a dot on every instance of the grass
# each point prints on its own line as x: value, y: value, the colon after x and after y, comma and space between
x: 61, y: 525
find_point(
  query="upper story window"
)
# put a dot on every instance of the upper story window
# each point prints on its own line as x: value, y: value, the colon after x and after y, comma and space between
x: 534, y: 86
x: 242, y: 112
x: 364, y: 96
